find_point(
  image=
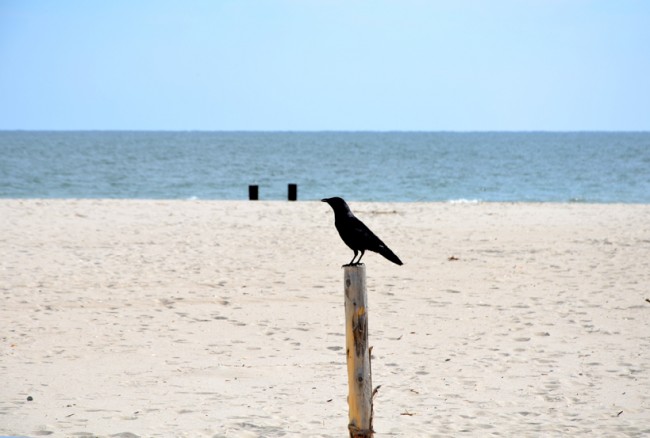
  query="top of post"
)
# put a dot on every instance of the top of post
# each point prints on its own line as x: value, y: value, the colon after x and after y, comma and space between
x: 360, y: 267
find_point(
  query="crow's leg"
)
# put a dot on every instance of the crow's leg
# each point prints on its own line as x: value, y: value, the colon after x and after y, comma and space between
x: 352, y: 261
x: 363, y: 251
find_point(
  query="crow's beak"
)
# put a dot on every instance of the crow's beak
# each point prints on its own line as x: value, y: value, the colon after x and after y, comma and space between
x: 324, y: 200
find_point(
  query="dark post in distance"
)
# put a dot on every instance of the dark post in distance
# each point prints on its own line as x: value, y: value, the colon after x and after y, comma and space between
x: 293, y: 192
x: 253, y: 193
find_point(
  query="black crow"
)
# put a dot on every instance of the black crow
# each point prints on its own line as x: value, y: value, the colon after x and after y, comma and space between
x: 355, y: 234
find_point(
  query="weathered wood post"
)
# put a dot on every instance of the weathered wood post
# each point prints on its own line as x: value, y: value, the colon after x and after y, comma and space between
x: 358, y: 352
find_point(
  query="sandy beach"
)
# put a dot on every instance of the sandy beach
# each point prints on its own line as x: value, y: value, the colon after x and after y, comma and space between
x: 126, y: 318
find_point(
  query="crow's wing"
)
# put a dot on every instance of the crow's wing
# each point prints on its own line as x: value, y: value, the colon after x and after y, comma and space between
x: 358, y: 236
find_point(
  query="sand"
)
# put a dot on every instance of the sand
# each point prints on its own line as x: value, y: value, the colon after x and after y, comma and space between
x: 225, y: 318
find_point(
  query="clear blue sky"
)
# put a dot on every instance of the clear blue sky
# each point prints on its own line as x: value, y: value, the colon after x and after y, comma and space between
x: 325, y: 65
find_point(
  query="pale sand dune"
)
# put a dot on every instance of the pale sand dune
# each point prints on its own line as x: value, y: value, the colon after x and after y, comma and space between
x: 198, y: 318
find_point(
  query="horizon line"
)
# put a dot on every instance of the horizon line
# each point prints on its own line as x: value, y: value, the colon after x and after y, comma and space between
x: 451, y: 131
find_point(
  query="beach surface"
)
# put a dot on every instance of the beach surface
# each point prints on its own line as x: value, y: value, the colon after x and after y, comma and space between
x: 125, y: 318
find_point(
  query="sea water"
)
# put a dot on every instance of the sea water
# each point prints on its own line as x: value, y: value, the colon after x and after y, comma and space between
x: 602, y: 167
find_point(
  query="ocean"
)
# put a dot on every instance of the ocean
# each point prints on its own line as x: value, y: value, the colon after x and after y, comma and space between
x: 599, y: 167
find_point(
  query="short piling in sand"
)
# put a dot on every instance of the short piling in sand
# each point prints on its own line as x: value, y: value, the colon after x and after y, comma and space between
x: 358, y: 352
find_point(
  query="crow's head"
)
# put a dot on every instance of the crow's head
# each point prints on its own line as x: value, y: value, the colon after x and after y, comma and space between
x: 337, y: 204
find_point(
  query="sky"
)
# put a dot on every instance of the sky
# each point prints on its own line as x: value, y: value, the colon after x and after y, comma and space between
x: 311, y: 65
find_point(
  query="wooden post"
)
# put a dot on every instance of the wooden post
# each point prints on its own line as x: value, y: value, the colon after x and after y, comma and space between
x: 293, y: 192
x: 358, y: 352
x: 253, y: 193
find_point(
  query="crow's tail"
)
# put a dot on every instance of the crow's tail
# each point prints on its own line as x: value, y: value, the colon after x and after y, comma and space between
x: 390, y: 255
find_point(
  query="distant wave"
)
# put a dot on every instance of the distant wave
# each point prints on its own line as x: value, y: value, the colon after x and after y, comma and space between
x: 464, y: 201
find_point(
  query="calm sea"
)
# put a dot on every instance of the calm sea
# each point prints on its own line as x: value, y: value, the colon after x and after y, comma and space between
x: 359, y: 166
